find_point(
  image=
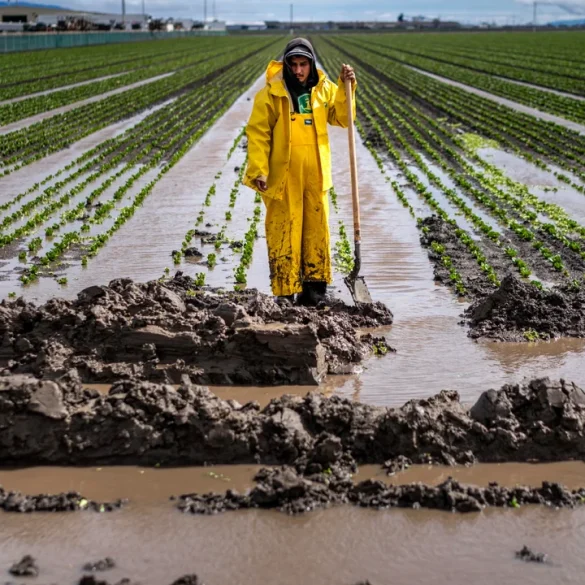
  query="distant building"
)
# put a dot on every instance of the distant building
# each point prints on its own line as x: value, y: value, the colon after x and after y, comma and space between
x: 253, y: 26
x: 361, y: 25
x: 216, y: 26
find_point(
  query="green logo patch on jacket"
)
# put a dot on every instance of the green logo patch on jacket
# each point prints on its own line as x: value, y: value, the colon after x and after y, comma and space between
x: 305, y: 104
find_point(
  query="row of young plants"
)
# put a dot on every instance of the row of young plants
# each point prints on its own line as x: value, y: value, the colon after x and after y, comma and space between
x: 206, y: 105
x: 542, y: 143
x: 39, y: 140
x: 549, y: 60
x: 545, y: 101
x: 220, y: 238
x: 517, y: 195
x: 130, y: 148
x: 32, y: 77
x: 15, y: 111
x: 428, y: 57
x: 374, y: 117
x: 343, y: 254
x: 508, y: 208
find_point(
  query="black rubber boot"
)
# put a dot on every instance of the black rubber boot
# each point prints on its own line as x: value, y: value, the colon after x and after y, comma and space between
x: 286, y: 300
x: 313, y: 293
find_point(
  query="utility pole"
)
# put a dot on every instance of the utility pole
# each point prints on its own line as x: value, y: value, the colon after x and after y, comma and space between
x: 124, y: 11
x: 534, y: 17
x: 204, y: 13
x: 214, y: 10
x: 291, y: 19
x: 143, y: 11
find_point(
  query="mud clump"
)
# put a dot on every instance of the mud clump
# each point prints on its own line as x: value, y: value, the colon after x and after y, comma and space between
x: 529, y: 556
x: 26, y: 567
x: 519, y: 311
x: 516, y: 310
x: 11, y: 501
x: 92, y: 580
x: 283, y: 489
x: 61, y: 422
x: 101, y: 565
x: 288, y: 491
x: 158, y: 331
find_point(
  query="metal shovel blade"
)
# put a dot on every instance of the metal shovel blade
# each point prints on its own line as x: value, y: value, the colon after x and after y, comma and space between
x: 358, y: 289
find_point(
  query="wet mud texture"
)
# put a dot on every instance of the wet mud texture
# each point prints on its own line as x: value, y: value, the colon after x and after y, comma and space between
x: 28, y: 567
x: 519, y: 311
x: 530, y: 556
x: 287, y: 491
x: 516, y: 310
x: 49, y: 422
x: 92, y: 580
x: 159, y: 331
x: 11, y: 501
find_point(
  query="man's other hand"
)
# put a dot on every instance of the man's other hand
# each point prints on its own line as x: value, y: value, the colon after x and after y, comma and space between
x: 261, y: 184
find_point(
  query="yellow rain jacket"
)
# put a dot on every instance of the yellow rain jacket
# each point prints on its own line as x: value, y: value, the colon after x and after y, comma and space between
x: 269, y: 132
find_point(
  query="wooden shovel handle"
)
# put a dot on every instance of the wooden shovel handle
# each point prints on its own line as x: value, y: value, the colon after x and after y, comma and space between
x: 357, y: 235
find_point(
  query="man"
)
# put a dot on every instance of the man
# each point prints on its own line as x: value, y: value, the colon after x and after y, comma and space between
x: 289, y: 163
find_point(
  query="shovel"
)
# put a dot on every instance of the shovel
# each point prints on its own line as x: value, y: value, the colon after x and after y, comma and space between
x: 355, y: 283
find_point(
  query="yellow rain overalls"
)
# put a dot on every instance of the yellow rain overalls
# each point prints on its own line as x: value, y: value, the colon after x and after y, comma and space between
x: 291, y: 152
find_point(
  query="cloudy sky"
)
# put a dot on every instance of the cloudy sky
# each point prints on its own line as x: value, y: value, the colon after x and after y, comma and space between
x: 501, y: 11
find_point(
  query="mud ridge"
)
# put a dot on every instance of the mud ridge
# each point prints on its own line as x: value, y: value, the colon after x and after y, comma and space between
x: 137, y: 422
x: 159, y: 331
x: 517, y: 310
x: 287, y: 491
x: 12, y: 501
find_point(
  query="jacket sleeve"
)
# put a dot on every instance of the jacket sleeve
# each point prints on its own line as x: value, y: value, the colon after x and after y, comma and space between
x: 338, y: 104
x: 259, y: 133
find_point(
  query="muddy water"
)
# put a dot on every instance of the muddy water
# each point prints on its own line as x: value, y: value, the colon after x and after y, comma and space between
x: 154, y: 543
x: 509, y: 103
x: 434, y: 351
x: 142, y: 248
x: 39, y: 117
x: 539, y: 181
x: 27, y: 176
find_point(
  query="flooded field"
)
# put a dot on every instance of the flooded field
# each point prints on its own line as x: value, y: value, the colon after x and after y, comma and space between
x: 155, y: 544
x: 473, y: 244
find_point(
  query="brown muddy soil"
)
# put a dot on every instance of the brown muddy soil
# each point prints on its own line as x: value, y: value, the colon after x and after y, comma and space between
x: 13, y: 501
x: 142, y: 423
x: 515, y: 311
x: 160, y: 331
x: 288, y: 491
x: 519, y: 311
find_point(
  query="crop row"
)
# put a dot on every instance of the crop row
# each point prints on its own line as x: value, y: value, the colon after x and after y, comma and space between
x: 150, y: 152
x: 35, y: 105
x: 31, y: 76
x: 542, y: 59
x: 559, y: 78
x: 546, y: 101
x: 394, y: 124
x: 38, y: 140
x: 537, y: 141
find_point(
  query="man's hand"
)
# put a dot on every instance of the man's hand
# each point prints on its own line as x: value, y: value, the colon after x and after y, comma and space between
x: 347, y: 72
x: 262, y: 184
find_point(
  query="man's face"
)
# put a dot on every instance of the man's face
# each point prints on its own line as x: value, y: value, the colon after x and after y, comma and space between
x: 301, y: 68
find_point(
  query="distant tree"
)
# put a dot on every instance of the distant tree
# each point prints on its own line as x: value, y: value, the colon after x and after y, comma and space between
x: 401, y: 17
